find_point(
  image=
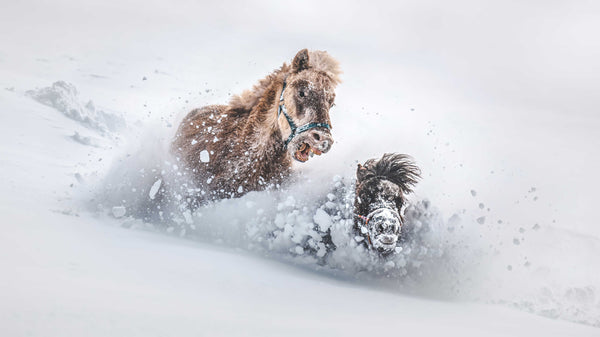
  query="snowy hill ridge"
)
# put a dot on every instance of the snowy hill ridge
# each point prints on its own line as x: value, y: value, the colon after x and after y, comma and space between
x: 63, y: 97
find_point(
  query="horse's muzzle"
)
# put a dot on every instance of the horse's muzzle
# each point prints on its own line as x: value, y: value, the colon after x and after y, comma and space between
x: 388, y: 239
x: 321, y: 140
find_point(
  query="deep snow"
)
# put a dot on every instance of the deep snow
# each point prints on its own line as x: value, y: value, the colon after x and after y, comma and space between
x: 512, y: 203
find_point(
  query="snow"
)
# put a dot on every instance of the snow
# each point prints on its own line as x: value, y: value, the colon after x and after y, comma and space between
x: 63, y: 97
x: 90, y: 102
x: 322, y: 219
x: 154, y: 189
x: 119, y: 211
x: 204, y: 156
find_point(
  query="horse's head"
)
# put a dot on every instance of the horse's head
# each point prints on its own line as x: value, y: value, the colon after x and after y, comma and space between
x: 306, y: 97
x: 381, y: 187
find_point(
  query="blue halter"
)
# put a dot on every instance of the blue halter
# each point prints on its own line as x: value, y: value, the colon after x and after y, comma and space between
x: 295, y: 129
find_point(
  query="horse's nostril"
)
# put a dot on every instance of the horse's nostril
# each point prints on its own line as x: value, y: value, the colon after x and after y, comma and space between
x: 316, y: 136
x: 388, y: 239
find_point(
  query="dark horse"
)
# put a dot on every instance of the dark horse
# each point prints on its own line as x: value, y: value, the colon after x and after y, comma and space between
x: 381, y: 187
x: 250, y: 144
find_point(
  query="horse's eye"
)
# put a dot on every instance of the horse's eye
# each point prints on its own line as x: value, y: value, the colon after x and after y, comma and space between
x: 301, y: 93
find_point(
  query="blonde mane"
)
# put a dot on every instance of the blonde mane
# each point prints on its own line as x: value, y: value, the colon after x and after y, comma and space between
x: 322, y: 61
x: 318, y: 60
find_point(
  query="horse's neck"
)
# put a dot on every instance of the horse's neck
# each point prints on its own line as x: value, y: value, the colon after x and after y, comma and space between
x: 262, y: 132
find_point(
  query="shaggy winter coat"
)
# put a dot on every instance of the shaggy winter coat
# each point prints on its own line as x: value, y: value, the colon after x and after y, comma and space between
x: 232, y: 149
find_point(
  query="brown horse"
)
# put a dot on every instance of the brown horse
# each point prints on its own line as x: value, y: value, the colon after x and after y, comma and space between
x: 250, y: 144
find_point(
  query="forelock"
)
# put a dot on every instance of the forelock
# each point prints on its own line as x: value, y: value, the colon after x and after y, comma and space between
x: 321, y: 61
x: 397, y: 168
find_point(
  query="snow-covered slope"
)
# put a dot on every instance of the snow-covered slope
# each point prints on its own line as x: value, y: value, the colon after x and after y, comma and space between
x: 71, y: 272
x: 89, y: 94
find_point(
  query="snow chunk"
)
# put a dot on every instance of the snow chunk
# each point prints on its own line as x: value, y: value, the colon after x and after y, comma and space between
x: 63, y: 97
x: 119, y: 211
x: 84, y: 140
x: 290, y: 201
x: 187, y: 215
x: 154, y: 188
x: 204, y: 156
x: 322, y: 219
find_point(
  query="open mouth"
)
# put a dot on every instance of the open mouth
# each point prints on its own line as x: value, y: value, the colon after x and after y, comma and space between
x: 387, y: 241
x: 385, y: 247
x: 305, y: 151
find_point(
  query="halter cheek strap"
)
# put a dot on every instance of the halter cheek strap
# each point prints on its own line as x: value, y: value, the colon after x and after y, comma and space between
x: 295, y: 129
x: 366, y: 221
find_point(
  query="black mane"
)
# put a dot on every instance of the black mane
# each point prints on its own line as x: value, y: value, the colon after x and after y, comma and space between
x: 397, y: 168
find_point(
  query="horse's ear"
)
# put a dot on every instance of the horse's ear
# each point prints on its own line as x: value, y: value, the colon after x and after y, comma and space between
x: 361, y: 172
x: 300, y: 61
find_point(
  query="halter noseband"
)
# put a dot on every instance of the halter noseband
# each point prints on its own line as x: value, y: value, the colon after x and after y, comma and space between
x: 295, y: 129
x: 367, y: 218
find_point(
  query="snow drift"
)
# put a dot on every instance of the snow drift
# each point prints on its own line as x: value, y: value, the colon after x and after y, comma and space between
x: 308, y: 223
